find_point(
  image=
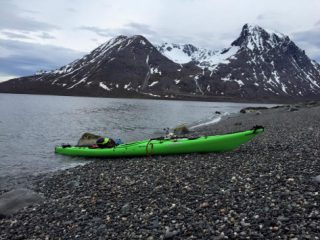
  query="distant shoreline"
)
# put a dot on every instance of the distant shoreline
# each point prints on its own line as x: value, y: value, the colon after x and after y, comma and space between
x: 197, y: 98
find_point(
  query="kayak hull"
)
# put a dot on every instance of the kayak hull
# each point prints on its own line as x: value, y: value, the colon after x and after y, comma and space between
x: 205, y: 144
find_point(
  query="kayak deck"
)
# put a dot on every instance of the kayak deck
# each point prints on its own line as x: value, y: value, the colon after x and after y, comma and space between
x: 204, y: 144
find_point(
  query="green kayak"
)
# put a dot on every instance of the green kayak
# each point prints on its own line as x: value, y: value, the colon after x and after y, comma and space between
x: 162, y: 146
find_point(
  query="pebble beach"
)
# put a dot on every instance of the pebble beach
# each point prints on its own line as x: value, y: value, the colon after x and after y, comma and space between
x: 269, y: 188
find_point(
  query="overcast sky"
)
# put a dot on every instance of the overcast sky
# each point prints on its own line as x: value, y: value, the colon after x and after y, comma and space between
x: 38, y: 34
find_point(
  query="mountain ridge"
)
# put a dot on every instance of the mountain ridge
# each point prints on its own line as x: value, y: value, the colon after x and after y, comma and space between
x: 259, y: 65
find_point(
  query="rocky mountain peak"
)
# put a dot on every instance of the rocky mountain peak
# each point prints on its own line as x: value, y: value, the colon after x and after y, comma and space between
x: 256, y: 38
x: 122, y: 42
x: 138, y: 39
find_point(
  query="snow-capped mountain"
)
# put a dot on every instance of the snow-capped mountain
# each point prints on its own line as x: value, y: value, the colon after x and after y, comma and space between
x: 269, y: 64
x: 121, y: 67
x: 259, y: 65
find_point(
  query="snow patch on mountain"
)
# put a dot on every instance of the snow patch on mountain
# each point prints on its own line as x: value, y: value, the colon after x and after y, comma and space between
x: 153, y: 83
x: 104, y: 86
x: 175, y: 53
x: 83, y: 80
x: 155, y: 70
x: 184, y: 53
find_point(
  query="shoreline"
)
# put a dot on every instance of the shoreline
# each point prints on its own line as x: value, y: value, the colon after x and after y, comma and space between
x: 186, y: 98
x: 264, y: 189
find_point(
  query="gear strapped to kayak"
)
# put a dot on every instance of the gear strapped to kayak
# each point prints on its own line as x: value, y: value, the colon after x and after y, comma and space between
x: 106, y: 143
x: 163, y: 146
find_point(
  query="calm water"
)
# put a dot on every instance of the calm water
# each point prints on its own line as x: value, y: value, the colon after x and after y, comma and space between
x: 31, y: 125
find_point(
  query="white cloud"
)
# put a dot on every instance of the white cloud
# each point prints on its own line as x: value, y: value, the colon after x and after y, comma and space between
x: 5, y: 77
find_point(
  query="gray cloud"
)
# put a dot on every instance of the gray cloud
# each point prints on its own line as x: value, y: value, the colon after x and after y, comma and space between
x: 310, y: 36
x: 138, y: 28
x: 27, y: 58
x: 12, y: 17
x: 310, y: 41
x: 72, y: 10
x: 45, y: 35
x: 103, y: 32
x: 15, y: 35
x: 128, y: 29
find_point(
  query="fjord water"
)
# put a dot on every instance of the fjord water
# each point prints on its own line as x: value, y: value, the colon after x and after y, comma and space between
x: 31, y: 125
